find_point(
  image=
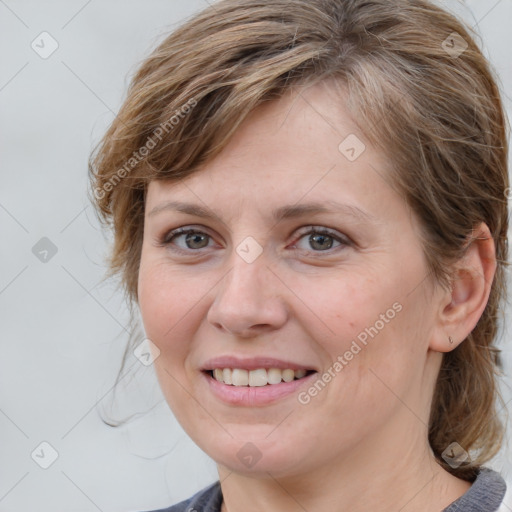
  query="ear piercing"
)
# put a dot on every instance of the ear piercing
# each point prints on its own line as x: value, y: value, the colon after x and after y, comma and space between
x: 450, y: 339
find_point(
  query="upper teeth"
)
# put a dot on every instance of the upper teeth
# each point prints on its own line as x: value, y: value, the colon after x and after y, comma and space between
x: 259, y: 377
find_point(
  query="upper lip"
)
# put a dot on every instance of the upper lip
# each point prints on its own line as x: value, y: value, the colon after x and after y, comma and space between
x: 252, y: 363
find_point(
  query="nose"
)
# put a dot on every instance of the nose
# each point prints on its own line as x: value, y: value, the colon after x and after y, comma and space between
x: 248, y: 300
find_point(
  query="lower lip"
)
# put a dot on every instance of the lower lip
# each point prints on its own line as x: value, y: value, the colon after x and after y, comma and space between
x: 254, y: 396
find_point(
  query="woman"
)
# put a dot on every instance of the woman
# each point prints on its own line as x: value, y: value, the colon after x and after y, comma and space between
x: 309, y: 207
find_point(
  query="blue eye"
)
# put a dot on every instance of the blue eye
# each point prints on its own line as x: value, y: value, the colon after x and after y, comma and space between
x: 322, y: 240
x: 194, y: 239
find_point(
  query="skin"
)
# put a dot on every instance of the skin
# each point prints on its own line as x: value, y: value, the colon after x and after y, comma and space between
x: 361, y: 444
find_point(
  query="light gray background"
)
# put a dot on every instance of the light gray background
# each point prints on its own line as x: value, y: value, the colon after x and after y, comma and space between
x: 63, y: 329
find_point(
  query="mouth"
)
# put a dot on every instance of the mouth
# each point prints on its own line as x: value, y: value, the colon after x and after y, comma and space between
x: 255, y: 381
x: 259, y: 377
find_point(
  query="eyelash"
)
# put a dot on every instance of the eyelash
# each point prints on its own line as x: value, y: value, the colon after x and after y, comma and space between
x: 166, y: 241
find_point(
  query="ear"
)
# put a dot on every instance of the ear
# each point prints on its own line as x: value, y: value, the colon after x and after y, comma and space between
x: 461, y: 307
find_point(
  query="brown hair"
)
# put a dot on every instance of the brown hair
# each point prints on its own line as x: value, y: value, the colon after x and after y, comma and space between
x: 420, y: 90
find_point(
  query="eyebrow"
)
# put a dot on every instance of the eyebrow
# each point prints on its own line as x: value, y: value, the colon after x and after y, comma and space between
x: 284, y: 212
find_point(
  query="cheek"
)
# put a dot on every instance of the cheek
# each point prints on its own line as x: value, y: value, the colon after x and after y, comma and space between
x: 153, y: 301
x: 374, y: 330
x: 344, y: 307
x: 163, y: 302
x: 166, y: 311
x: 173, y: 305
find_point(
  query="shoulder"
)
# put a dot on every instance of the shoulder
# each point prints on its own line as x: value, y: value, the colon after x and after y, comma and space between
x: 486, y: 494
x: 208, y: 499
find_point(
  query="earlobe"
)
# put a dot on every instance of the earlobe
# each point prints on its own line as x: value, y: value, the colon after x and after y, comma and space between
x: 462, y: 305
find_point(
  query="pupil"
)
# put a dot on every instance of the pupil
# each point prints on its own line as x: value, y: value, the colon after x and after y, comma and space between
x: 193, y: 238
x: 321, y: 238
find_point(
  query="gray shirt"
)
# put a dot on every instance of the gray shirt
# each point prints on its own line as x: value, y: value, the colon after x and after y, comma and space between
x: 485, y: 495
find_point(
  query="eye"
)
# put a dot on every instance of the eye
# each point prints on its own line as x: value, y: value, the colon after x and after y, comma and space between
x: 187, y: 240
x: 321, y: 239
x: 191, y: 239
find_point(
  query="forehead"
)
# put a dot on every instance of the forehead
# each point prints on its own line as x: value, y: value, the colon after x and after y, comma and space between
x: 301, y: 148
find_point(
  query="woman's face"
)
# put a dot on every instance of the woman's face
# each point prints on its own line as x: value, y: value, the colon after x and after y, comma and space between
x: 301, y: 256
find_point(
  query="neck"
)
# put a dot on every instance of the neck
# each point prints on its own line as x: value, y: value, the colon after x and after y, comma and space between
x: 380, y: 476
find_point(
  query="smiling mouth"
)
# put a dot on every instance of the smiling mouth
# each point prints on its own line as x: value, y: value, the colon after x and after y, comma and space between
x: 260, y: 377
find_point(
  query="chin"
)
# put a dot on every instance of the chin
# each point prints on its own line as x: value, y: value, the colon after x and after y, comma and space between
x: 258, y: 457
